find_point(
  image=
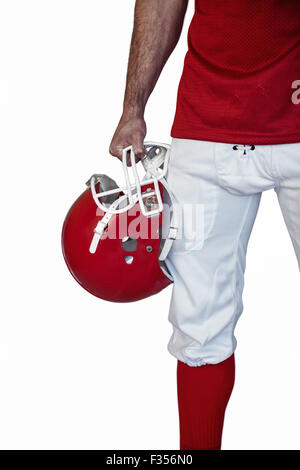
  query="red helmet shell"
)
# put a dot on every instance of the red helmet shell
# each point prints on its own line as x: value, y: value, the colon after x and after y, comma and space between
x: 106, y: 274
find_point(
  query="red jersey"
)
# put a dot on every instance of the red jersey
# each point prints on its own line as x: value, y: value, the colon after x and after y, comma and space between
x: 241, y: 73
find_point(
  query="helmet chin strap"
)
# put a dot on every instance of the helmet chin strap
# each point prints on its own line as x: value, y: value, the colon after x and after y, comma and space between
x: 155, y: 164
x: 103, y: 223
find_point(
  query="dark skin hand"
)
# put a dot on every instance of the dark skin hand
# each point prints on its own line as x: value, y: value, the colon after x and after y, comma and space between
x: 157, y: 28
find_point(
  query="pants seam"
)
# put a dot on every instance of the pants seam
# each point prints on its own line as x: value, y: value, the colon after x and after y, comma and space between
x: 237, y: 244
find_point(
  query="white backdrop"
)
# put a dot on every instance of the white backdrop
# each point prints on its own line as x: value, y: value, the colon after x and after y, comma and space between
x: 76, y: 372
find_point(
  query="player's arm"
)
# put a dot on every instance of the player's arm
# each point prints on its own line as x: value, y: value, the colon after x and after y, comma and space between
x: 157, y: 28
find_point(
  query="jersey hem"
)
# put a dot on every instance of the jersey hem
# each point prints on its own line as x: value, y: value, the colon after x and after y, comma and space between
x: 235, y: 138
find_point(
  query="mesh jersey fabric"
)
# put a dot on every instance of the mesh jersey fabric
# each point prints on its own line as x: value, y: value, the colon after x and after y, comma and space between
x: 237, y: 82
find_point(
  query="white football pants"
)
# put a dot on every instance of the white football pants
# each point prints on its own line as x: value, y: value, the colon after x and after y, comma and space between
x: 209, y: 275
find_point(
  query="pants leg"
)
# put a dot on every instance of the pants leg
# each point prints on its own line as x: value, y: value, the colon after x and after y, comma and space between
x: 208, y: 276
x: 287, y: 162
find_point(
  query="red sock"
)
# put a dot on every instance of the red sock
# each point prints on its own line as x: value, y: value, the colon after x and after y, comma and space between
x: 203, y: 394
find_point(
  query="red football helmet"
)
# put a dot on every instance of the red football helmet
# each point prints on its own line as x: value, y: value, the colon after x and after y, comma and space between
x: 111, y: 237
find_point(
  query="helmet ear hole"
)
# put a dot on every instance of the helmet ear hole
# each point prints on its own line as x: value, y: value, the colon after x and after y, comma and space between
x: 129, y: 244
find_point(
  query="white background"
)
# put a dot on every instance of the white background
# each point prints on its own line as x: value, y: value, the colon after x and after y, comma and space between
x: 76, y: 372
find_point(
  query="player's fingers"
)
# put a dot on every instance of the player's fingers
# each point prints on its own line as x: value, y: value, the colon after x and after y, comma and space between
x: 138, y: 146
x: 116, y: 150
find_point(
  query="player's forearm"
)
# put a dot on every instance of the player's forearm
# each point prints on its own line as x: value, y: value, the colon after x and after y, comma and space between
x: 157, y: 28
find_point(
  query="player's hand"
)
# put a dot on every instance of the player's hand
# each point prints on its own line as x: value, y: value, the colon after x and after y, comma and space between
x: 130, y: 131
